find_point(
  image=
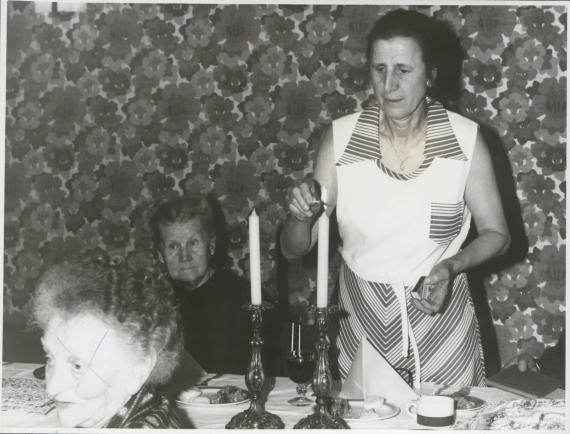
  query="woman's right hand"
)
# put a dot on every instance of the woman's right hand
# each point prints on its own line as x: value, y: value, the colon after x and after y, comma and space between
x: 303, y: 201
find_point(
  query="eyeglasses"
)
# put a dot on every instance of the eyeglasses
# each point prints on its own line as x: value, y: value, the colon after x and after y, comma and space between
x: 85, y: 383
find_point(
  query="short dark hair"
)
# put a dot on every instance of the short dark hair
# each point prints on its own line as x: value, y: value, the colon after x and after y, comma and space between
x: 138, y: 304
x: 440, y: 46
x: 203, y: 206
x: 182, y: 209
x: 410, y: 24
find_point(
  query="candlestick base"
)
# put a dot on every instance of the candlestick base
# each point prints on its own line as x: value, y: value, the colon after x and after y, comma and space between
x: 255, y: 417
x: 322, y: 381
x: 251, y: 419
x: 321, y: 420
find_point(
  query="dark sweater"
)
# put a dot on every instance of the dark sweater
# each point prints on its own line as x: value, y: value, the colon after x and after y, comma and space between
x: 217, y: 328
x: 149, y: 409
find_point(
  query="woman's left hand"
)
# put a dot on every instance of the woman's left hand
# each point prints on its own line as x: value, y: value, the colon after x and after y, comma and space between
x: 440, y: 280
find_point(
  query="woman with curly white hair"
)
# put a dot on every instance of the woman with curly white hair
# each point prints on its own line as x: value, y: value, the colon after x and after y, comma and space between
x: 111, y: 335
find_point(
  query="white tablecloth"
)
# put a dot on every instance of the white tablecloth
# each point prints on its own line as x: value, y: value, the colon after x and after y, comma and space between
x: 283, y: 390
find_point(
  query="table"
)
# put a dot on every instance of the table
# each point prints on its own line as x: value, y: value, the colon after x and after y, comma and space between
x: 283, y: 390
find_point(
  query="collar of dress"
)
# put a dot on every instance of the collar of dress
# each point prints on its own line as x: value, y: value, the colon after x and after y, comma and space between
x: 440, y: 139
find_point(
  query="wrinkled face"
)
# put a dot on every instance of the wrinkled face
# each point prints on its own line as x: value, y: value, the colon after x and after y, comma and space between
x: 91, y: 372
x: 398, y: 74
x: 186, y: 251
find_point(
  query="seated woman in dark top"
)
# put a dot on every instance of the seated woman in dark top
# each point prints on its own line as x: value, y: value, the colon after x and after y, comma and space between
x: 216, y: 327
x: 110, y: 336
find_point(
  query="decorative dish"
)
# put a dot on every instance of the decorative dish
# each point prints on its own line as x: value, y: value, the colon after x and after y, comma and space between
x: 522, y: 414
x: 213, y: 396
x: 467, y: 403
x: 27, y: 394
x: 373, y: 408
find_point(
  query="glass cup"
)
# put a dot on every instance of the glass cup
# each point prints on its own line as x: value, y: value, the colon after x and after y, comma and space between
x: 300, y: 366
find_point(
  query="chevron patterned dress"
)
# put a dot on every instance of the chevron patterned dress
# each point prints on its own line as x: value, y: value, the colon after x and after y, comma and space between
x: 448, y: 343
x: 395, y: 228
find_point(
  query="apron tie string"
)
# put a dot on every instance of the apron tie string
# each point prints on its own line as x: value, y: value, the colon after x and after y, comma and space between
x: 408, y: 333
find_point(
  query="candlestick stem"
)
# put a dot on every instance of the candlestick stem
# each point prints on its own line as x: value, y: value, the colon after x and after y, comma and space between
x: 322, y: 381
x: 255, y: 417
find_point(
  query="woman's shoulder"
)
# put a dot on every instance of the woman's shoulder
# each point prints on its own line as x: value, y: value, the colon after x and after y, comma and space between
x: 150, y: 409
x: 228, y: 288
x: 465, y: 130
x: 224, y: 279
x: 347, y: 119
x: 342, y: 129
x: 461, y: 120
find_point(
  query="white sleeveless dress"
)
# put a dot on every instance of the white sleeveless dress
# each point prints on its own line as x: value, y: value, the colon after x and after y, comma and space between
x: 394, y: 229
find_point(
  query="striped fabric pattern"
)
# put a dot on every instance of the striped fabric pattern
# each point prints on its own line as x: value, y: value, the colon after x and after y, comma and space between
x: 448, y: 343
x: 440, y: 140
x: 445, y: 221
x: 363, y: 144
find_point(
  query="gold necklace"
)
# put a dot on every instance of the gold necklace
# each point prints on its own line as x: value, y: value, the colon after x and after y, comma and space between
x: 403, y: 160
x: 396, y: 152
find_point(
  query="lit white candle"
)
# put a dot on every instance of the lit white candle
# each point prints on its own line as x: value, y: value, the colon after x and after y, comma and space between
x: 254, y: 261
x: 323, y: 258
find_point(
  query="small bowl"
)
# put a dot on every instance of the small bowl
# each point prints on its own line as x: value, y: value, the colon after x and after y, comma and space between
x: 189, y: 395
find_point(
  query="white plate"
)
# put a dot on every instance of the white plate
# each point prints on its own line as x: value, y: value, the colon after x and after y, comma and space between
x: 207, y: 392
x: 356, y: 407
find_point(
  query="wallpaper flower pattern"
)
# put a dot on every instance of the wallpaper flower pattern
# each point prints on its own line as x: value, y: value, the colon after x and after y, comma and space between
x: 108, y: 111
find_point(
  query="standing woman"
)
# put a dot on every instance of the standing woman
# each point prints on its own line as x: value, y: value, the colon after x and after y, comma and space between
x: 406, y: 176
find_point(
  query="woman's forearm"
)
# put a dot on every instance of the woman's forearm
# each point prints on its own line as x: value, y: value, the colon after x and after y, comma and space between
x: 486, y: 246
x: 297, y: 238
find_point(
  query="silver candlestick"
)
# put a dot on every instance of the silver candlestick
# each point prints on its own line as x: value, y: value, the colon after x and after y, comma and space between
x: 255, y: 417
x: 322, y: 381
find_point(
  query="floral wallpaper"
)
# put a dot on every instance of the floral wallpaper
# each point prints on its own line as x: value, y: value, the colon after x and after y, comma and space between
x: 112, y: 108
